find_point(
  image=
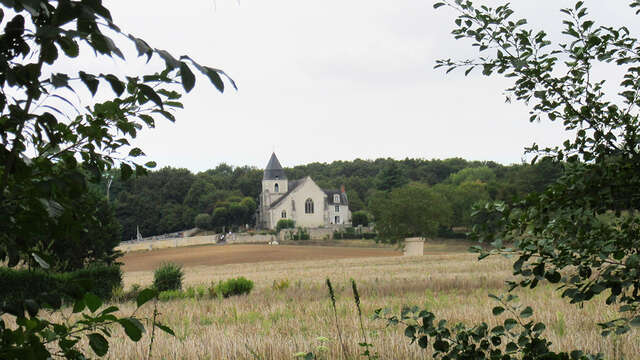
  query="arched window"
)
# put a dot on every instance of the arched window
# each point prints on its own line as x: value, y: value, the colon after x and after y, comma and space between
x: 308, y: 206
x: 276, y: 188
x: 284, y: 214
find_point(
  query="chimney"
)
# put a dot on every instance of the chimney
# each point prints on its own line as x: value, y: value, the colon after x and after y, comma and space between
x: 342, y: 188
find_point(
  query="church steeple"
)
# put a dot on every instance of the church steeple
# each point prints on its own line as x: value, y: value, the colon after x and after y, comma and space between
x: 274, y: 170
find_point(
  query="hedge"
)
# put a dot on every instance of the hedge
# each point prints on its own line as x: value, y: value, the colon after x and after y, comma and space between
x: 19, y: 285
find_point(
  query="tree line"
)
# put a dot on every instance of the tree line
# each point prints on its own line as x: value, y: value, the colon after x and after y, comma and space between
x: 170, y: 200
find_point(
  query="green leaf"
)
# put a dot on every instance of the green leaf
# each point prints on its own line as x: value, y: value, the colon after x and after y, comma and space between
x: 146, y: 295
x: 69, y: 46
x: 410, y: 332
x: 437, y: 5
x: 98, y: 343
x: 116, y: 84
x: 151, y: 94
x: 125, y: 171
x: 132, y: 327
x: 135, y: 152
x: 423, y: 342
x: 510, y: 324
x: 188, y: 79
x: 441, y: 345
x: 93, y: 302
x: 498, y: 310
x: 512, y: 347
x: 166, y: 329
x: 527, y: 312
x: 635, y: 321
x: 214, y: 77
x: 90, y: 81
x: 78, y: 306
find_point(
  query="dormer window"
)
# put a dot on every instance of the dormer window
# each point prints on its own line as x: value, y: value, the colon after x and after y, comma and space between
x: 276, y: 188
x: 336, y: 198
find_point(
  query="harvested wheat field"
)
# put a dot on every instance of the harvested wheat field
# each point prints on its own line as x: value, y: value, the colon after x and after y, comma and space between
x: 275, y: 321
x: 236, y: 254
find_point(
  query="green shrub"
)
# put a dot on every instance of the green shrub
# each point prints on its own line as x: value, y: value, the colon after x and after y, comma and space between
x: 284, y: 224
x: 231, y: 287
x: 24, y: 284
x: 203, y: 221
x: 360, y: 218
x: 168, y: 277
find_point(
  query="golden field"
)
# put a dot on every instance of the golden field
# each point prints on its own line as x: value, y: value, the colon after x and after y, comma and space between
x: 275, y: 324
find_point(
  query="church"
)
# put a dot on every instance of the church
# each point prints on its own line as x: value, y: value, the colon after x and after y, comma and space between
x: 302, y: 201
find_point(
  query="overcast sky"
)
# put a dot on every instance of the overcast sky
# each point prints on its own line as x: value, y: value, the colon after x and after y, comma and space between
x: 334, y: 80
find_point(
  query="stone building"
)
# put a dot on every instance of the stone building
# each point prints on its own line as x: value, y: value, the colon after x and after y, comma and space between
x: 302, y: 201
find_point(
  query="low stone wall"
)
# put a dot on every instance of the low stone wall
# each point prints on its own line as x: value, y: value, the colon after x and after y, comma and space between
x: 168, y: 243
x: 194, y: 240
x: 250, y: 239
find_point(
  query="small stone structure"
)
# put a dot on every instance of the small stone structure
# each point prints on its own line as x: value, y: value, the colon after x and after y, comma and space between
x: 414, y: 246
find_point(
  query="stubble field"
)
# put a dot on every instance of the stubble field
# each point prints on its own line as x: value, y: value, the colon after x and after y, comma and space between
x: 275, y: 324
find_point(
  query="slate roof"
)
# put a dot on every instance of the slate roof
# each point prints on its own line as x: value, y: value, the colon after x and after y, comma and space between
x: 343, y: 197
x: 274, y: 170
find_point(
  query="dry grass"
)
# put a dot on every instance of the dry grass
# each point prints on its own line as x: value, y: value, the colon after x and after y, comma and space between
x: 270, y: 324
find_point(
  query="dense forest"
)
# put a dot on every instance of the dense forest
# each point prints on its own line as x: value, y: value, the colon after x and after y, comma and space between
x: 169, y: 199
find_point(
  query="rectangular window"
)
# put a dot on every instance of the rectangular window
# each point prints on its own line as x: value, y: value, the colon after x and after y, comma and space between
x: 337, y: 208
x: 337, y: 220
x: 336, y: 198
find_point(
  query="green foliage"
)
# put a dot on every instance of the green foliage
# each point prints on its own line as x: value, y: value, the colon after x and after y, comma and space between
x: 360, y: 218
x: 412, y: 210
x: 168, y: 276
x: 516, y: 337
x: 462, y: 198
x: 558, y: 234
x: 232, y: 287
x: 33, y: 337
x: 482, y: 174
x: 285, y: 224
x: 34, y: 284
x: 203, y: 221
x: 391, y: 177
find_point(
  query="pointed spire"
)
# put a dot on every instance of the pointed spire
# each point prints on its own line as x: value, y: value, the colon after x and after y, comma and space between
x: 274, y: 170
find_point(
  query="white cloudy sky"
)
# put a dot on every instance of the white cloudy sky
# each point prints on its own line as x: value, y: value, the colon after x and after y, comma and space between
x: 334, y: 80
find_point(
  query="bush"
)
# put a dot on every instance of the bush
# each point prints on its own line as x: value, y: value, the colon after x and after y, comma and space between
x: 24, y: 284
x: 203, y: 221
x: 360, y: 218
x: 284, y: 224
x: 231, y: 287
x: 168, y: 277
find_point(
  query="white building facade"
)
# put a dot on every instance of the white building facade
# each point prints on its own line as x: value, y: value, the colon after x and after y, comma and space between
x: 302, y: 201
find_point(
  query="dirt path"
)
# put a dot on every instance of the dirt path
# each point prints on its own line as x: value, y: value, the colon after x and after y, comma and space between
x: 236, y: 254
